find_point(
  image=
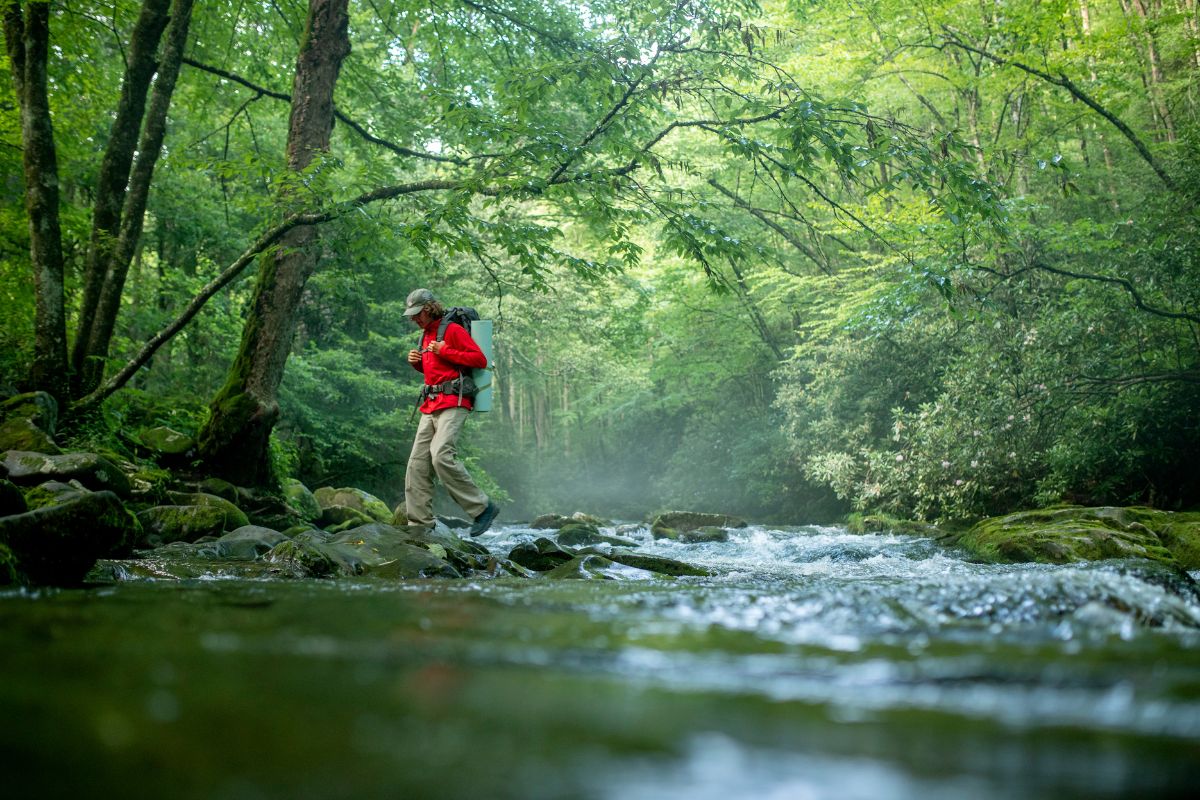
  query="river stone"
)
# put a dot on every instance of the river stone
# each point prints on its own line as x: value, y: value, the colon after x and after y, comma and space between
x: 166, y: 442
x: 58, y: 544
x: 379, y: 550
x: 580, y: 534
x: 248, y: 543
x: 184, y: 523
x: 21, y: 434
x: 1073, y: 533
x: 340, y: 516
x: 52, y: 493
x: 709, y: 533
x: 550, y: 521
x: 691, y: 520
x: 350, y: 497
x: 266, y: 508
x: 221, y: 488
x: 596, y: 567
x: 540, y: 555
x: 453, y: 523
x: 93, y: 471
x: 234, y: 516
x: 590, y: 519
x: 38, y: 408
x: 659, y: 564
x: 11, y: 499
x: 302, y: 501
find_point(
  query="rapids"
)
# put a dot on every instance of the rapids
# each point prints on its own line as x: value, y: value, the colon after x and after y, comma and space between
x: 813, y: 663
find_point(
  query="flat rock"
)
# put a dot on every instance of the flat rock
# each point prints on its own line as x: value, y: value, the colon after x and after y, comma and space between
x: 93, y: 471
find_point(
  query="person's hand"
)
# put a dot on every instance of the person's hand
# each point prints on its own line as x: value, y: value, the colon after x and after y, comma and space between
x: 436, y: 346
x: 414, y: 357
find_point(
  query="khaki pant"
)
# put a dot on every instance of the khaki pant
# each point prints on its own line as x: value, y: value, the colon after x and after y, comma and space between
x: 435, y: 450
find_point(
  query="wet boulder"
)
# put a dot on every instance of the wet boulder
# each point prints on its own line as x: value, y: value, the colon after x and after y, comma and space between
x: 378, y: 550
x: 221, y: 488
x: 658, y: 564
x: 58, y: 544
x: 52, y: 493
x: 343, y: 517
x: 93, y: 471
x: 349, y: 497
x: 1073, y: 533
x: 580, y: 534
x: 266, y: 507
x: 540, y: 555
x: 550, y: 522
x: 192, y: 517
x: 709, y: 533
x: 247, y: 543
x: 21, y: 434
x: 671, y: 524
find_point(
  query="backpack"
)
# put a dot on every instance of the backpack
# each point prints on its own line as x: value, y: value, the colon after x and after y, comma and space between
x: 464, y: 384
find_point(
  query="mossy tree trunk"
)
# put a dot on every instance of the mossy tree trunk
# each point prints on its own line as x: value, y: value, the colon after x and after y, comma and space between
x: 27, y: 37
x: 234, y: 443
x: 95, y: 334
x: 112, y: 182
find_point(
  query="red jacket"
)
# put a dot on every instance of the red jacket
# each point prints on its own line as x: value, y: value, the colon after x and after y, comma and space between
x: 459, y: 355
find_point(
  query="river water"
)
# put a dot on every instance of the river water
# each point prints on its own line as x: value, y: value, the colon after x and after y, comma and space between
x: 813, y: 664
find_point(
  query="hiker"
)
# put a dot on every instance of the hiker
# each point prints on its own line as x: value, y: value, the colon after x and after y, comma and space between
x: 446, y: 355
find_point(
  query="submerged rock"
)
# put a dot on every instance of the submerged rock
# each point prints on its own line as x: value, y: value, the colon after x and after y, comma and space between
x: 709, y: 533
x: 672, y: 524
x: 93, y: 471
x: 659, y: 564
x: 58, y: 544
x: 1074, y: 533
x: 379, y: 550
x: 593, y: 566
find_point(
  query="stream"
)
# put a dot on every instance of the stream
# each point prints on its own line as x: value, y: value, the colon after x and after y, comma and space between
x: 813, y: 663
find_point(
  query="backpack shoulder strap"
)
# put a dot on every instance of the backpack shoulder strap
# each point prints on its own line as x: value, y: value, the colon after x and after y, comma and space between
x: 441, y: 331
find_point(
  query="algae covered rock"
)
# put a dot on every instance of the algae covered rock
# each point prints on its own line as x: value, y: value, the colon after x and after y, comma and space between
x: 1074, y: 533
x: 550, y: 522
x: 349, y: 497
x: 672, y: 524
x: 247, y: 543
x: 709, y: 533
x: 37, y: 408
x: 379, y: 550
x: 658, y: 564
x: 579, y: 534
x: 540, y: 555
x: 58, y: 544
x: 187, y: 523
x: 93, y: 471
x: 52, y: 493
x: 21, y: 434
x: 343, y: 517
x: 164, y: 441
x: 596, y: 567
x: 302, y: 501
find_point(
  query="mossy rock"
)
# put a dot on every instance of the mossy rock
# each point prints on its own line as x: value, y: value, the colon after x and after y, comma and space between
x: 38, y: 408
x: 302, y: 501
x: 267, y: 508
x: 247, y: 543
x: 340, y: 516
x: 550, y: 522
x: 185, y: 523
x: 164, y: 441
x: 221, y: 488
x: 350, y: 497
x: 691, y: 520
x: 150, y: 484
x: 58, y: 544
x: 21, y: 434
x: 540, y: 555
x: 378, y: 550
x: 881, y: 523
x: 235, y: 517
x: 53, y: 493
x: 11, y: 499
x: 590, y: 519
x: 1073, y: 533
x: 658, y: 564
x: 580, y: 534
x: 10, y: 571
x: 709, y: 533
x: 593, y: 567
x: 92, y: 470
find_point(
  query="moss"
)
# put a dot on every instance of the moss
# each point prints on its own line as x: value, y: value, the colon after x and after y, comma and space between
x: 1071, y: 533
x: 10, y: 572
x: 882, y: 523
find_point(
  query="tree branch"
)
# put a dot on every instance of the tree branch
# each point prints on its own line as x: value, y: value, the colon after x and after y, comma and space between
x: 1127, y: 286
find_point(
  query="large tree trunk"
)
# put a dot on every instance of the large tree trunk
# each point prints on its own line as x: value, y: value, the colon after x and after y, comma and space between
x: 114, y: 177
x: 108, y: 297
x: 27, y: 38
x: 235, y: 441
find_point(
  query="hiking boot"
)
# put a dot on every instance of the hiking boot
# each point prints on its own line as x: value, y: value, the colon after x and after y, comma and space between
x: 484, y: 520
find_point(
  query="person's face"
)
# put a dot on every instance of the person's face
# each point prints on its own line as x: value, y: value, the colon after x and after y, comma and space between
x: 421, y: 318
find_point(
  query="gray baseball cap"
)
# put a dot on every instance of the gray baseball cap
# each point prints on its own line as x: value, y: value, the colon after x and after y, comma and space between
x: 417, y: 299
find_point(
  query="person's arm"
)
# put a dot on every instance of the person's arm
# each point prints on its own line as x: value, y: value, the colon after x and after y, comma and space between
x: 459, y: 348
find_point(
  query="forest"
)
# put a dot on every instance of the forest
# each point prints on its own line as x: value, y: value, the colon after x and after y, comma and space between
x: 845, y: 360
x: 792, y: 260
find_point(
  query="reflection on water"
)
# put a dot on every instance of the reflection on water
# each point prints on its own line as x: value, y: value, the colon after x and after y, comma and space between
x: 813, y: 663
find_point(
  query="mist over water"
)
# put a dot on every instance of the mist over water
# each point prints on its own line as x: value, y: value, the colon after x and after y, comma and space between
x: 811, y: 663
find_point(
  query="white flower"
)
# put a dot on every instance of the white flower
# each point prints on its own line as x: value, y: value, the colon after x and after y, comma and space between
x: 974, y: 464
x: 899, y: 458
x: 945, y: 465
x: 1013, y: 454
x: 958, y: 482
